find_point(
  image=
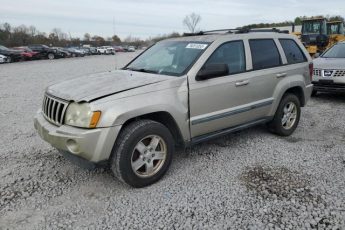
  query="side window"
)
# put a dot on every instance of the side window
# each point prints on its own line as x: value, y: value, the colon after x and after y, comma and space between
x: 265, y: 53
x: 292, y: 51
x: 232, y: 54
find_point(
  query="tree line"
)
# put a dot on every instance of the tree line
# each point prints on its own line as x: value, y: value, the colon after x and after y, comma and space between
x: 22, y: 35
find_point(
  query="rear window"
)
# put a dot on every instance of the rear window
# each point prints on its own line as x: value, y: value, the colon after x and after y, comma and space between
x: 264, y: 54
x: 292, y: 51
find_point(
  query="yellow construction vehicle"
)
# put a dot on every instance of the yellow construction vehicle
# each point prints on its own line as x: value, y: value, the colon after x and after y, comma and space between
x: 314, y: 35
x: 335, y: 31
x: 317, y: 34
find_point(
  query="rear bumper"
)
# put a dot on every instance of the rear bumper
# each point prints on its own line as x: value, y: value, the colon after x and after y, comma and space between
x: 94, y: 145
x: 329, y: 87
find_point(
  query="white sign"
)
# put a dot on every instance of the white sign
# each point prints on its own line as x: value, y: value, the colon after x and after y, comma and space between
x: 196, y: 46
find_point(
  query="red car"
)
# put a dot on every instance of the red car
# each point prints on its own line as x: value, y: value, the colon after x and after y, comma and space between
x: 27, y: 54
x: 119, y: 49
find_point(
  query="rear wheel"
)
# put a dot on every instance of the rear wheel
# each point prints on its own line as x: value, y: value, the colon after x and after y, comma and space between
x: 9, y: 59
x: 142, y: 153
x: 51, y: 56
x: 287, y: 116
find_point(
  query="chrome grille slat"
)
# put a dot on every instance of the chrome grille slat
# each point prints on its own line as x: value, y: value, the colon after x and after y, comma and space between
x: 63, y: 113
x: 57, y: 112
x: 54, y: 109
x: 48, y: 109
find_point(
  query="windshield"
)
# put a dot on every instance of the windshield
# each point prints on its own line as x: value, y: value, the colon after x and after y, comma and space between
x: 313, y: 27
x: 335, y: 28
x: 169, y: 57
x: 337, y: 51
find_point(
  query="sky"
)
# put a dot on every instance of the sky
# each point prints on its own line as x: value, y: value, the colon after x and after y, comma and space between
x: 148, y: 18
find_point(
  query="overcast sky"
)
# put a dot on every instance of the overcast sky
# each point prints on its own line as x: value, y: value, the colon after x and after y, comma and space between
x: 144, y: 18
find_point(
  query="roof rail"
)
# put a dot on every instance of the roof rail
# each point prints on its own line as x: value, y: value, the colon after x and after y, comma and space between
x: 236, y: 31
x: 210, y: 32
x: 270, y: 30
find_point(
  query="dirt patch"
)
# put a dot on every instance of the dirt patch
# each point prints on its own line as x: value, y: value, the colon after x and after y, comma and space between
x: 278, y: 183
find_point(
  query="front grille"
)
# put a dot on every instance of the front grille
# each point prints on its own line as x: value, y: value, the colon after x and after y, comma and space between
x: 339, y: 73
x: 54, y: 109
x: 317, y: 72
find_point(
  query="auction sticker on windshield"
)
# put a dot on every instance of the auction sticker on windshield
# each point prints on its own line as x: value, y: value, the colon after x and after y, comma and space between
x: 196, y: 46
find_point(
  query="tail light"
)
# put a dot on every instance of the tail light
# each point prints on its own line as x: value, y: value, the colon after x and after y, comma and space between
x: 311, y: 67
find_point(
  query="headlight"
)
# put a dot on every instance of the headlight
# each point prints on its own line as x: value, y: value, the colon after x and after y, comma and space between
x: 80, y: 115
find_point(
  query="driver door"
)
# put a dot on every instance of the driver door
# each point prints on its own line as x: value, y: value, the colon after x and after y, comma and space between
x: 227, y: 101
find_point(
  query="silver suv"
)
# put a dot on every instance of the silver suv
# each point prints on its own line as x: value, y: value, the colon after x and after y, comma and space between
x: 179, y: 92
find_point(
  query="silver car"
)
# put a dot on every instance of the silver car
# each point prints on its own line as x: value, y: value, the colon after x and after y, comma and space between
x: 329, y: 70
x: 3, y: 58
x: 177, y: 93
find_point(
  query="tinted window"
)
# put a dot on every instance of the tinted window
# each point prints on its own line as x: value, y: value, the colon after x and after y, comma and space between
x: 264, y: 53
x: 232, y: 54
x: 292, y: 51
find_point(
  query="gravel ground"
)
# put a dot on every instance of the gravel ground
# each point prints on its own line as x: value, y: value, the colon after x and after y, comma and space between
x: 250, y: 179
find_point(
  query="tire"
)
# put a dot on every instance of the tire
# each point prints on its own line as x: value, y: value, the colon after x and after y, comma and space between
x: 314, y: 93
x: 9, y: 59
x: 278, y: 125
x: 51, y: 56
x: 125, y: 153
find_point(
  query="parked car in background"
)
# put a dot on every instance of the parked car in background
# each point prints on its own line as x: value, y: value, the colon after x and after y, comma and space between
x: 119, y: 49
x: 93, y: 50
x: 329, y: 70
x: 46, y: 52
x: 65, y: 53
x: 3, y: 58
x: 131, y: 49
x: 11, y: 54
x: 179, y: 92
x: 30, y: 54
x: 86, y: 50
x: 111, y: 50
x: 106, y: 50
x: 101, y: 50
x: 75, y: 52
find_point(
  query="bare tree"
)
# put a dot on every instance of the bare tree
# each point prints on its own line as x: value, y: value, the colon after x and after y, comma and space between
x: 87, y: 37
x: 191, y: 21
x: 32, y: 31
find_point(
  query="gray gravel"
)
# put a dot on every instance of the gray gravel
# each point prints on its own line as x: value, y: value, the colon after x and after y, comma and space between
x: 250, y: 179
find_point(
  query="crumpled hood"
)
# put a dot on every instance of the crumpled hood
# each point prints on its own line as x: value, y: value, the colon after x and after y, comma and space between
x: 96, y: 86
x: 329, y: 63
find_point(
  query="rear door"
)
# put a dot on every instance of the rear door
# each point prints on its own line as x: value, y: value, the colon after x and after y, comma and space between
x: 296, y: 62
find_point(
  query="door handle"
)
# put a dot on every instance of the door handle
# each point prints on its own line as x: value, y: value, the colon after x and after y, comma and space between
x: 281, y: 75
x: 242, y: 83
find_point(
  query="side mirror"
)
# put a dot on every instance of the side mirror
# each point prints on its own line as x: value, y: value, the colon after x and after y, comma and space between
x: 212, y: 71
x: 316, y: 55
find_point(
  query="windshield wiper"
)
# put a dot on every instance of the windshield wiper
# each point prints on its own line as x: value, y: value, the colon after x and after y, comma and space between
x: 142, y: 70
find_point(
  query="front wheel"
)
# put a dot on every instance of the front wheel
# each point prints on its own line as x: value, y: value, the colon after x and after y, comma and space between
x: 287, y: 116
x: 142, y: 153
